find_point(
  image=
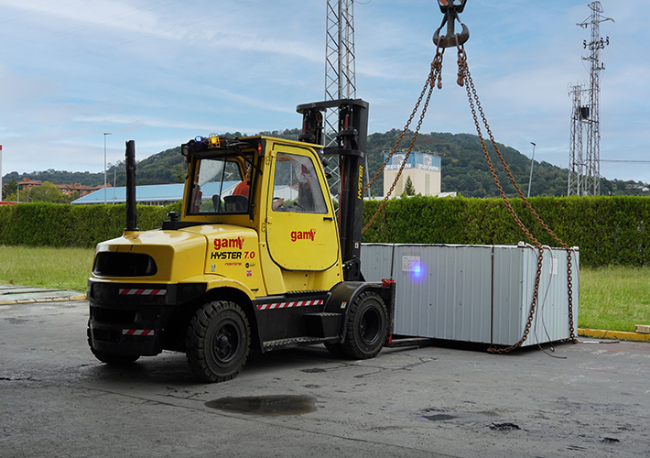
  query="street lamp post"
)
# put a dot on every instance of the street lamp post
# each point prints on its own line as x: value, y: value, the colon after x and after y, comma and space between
x: 530, y: 180
x: 105, y: 134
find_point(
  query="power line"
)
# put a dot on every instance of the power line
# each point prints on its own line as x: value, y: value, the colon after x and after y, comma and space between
x: 631, y: 161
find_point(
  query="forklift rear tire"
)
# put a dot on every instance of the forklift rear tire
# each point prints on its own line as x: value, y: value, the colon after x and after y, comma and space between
x: 114, y: 360
x: 110, y: 358
x: 218, y: 341
x: 367, y: 326
x: 336, y: 349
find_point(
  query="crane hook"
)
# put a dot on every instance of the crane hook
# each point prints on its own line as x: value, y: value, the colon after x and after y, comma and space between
x: 451, y: 8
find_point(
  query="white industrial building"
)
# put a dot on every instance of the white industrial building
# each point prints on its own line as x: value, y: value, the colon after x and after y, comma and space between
x: 424, y: 169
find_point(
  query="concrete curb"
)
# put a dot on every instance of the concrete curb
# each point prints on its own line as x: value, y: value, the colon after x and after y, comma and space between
x: 35, y: 299
x: 79, y: 297
x: 620, y: 335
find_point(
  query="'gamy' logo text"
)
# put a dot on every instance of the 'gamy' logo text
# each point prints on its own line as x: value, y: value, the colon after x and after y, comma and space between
x: 229, y: 243
x: 303, y: 235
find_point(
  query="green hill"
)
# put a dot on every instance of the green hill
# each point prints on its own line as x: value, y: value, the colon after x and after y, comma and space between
x: 464, y: 167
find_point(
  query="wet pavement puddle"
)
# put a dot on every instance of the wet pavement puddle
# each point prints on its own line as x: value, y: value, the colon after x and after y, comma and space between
x: 462, y: 417
x: 266, y: 405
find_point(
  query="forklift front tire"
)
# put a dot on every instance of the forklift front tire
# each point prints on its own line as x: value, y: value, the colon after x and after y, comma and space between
x: 367, y: 325
x: 218, y: 341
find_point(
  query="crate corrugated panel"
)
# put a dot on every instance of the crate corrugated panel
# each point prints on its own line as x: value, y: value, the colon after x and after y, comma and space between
x: 474, y: 293
x: 377, y: 261
x: 551, y: 322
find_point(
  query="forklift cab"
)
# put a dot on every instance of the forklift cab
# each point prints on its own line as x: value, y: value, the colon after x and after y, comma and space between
x: 214, y: 182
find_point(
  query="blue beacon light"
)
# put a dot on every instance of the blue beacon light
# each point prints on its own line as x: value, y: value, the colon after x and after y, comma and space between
x: 417, y: 271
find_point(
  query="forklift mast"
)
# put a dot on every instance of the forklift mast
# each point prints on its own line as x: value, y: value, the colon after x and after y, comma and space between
x: 350, y: 147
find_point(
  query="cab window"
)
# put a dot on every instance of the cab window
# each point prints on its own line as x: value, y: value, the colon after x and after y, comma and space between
x: 215, y: 182
x: 296, y: 187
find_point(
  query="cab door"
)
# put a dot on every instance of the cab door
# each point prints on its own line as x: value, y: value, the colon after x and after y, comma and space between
x: 301, y: 232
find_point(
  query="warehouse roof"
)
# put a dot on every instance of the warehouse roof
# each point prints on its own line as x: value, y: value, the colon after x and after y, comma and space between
x: 159, y: 194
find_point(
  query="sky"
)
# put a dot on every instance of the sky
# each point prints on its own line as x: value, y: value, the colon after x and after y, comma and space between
x: 160, y: 72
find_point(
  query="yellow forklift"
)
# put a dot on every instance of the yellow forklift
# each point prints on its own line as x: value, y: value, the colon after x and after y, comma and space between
x: 257, y: 258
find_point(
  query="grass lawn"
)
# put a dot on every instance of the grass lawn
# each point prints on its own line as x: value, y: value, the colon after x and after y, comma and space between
x: 613, y: 298
x: 64, y: 268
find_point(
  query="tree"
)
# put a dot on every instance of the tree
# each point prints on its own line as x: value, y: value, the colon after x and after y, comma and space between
x: 47, y: 192
x: 409, y: 189
x: 73, y: 196
x: 9, y: 189
x: 179, y: 173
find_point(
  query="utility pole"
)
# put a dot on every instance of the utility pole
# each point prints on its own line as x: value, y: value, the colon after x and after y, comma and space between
x: 532, y: 160
x: 105, y: 134
x: 584, y: 161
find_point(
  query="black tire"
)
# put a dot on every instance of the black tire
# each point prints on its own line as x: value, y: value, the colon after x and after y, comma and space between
x: 218, y: 341
x: 367, y: 326
x: 336, y: 349
x: 110, y: 358
x: 113, y: 359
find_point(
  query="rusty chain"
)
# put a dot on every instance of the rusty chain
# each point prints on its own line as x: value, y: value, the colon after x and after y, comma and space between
x: 435, y: 76
x: 465, y: 79
x: 572, y: 337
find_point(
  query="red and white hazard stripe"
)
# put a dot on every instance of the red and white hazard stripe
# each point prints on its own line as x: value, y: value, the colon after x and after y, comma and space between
x: 137, y: 332
x: 142, y: 292
x: 286, y: 305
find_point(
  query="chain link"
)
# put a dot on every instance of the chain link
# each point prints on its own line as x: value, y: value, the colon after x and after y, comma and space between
x: 572, y: 337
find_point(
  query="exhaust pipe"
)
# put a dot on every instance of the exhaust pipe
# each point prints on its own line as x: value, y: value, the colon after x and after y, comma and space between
x: 131, y: 210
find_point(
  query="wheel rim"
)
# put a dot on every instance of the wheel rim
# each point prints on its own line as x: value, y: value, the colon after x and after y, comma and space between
x: 226, y: 343
x: 369, y: 326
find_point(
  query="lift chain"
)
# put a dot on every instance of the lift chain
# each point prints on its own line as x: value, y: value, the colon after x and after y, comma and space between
x: 572, y: 337
x: 463, y: 72
x: 465, y: 77
x: 435, y: 76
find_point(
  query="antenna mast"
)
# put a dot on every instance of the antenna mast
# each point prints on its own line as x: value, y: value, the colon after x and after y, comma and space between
x: 340, y: 78
x: 584, y: 166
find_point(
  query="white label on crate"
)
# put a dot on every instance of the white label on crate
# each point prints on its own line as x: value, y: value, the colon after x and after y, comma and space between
x: 410, y: 263
x: 555, y: 264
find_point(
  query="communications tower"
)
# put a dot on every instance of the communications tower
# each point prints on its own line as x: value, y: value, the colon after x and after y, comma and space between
x: 584, y: 162
x: 340, y: 78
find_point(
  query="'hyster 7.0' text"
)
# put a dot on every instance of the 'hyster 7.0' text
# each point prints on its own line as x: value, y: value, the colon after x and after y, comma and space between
x: 232, y: 255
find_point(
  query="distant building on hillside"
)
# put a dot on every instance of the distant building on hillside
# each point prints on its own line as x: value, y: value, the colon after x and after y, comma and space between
x: 424, y: 169
x: 83, y: 190
x: 26, y: 185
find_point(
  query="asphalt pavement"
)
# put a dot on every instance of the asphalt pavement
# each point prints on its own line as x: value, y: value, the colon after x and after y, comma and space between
x: 590, y: 399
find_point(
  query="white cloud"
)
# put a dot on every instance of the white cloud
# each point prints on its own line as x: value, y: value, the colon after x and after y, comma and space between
x: 162, y: 71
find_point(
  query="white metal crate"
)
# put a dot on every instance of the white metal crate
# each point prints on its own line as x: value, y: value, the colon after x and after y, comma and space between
x: 476, y: 293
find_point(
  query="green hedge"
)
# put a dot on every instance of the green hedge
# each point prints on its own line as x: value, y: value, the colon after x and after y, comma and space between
x: 44, y: 224
x: 608, y: 230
